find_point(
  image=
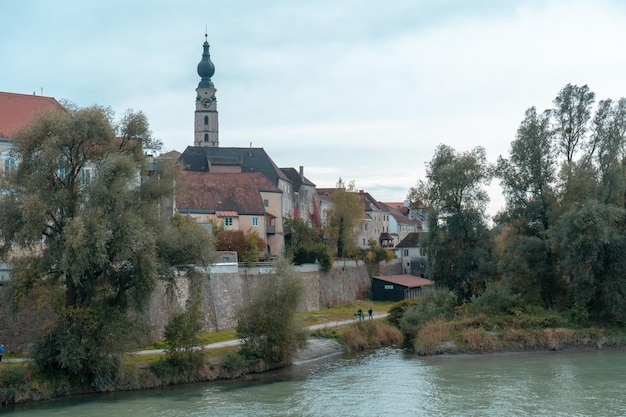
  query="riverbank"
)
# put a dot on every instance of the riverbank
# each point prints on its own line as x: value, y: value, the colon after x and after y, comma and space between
x: 19, y: 384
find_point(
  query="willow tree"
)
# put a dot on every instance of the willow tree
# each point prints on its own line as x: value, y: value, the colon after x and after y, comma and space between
x: 79, y: 220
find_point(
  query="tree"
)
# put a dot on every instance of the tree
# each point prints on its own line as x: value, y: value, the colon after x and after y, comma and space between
x: 247, y: 245
x: 184, y: 242
x: 75, y: 207
x: 268, y: 326
x: 572, y: 112
x: 343, y: 218
x: 457, y: 244
x: 304, y: 244
x: 528, y: 178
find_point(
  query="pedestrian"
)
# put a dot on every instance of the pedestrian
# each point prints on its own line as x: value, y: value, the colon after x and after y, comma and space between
x: 369, y: 312
x: 360, y: 314
x: 1, y: 351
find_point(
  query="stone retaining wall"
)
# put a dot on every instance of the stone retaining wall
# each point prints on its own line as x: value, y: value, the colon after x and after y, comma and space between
x: 224, y: 288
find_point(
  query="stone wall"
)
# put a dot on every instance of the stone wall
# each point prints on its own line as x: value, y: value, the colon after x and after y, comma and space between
x: 224, y: 289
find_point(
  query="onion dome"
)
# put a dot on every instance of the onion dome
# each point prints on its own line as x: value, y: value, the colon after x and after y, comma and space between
x: 206, y: 69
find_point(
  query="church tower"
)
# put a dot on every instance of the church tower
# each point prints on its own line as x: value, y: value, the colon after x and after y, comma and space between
x: 206, y: 131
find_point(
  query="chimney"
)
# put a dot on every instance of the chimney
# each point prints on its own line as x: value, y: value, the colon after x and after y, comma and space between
x: 301, y: 172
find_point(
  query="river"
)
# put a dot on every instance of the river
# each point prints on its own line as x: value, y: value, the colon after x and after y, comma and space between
x: 386, y: 382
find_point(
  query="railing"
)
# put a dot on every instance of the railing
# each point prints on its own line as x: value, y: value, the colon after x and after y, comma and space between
x: 270, y: 230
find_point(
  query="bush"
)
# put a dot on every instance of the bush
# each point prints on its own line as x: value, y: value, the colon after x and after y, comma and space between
x: 433, y: 303
x: 478, y: 341
x: 234, y: 363
x: 397, y: 311
x: 432, y: 337
x: 370, y: 335
x: 496, y: 299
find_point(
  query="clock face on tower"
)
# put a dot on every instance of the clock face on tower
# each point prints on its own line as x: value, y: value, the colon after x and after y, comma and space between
x: 206, y: 102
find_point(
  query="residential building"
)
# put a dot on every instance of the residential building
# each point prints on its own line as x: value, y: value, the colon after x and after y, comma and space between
x: 400, y: 225
x: 238, y: 200
x: 408, y: 251
x: 304, y: 196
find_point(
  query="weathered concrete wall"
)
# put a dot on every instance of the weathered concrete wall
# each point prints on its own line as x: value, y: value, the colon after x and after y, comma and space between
x: 224, y: 289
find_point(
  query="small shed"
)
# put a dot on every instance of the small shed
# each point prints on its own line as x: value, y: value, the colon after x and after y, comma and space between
x: 397, y: 287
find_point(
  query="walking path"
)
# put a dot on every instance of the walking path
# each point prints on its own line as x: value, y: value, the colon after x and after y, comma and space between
x: 236, y: 342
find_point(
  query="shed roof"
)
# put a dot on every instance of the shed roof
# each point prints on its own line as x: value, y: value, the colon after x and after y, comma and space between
x: 409, y: 281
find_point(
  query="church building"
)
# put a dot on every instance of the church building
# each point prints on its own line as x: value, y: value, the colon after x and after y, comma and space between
x: 222, y: 195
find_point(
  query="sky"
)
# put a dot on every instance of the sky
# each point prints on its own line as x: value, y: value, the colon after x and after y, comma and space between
x: 362, y: 90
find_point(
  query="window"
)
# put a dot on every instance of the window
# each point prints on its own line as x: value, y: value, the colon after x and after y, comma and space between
x: 85, y: 177
x: 266, y: 203
x: 206, y: 120
x: 405, y: 252
x: 206, y: 137
x: 255, y: 221
x: 228, y: 221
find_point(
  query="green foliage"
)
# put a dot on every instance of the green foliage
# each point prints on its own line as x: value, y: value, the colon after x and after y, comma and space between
x: 434, y: 303
x: 458, y: 245
x: 234, y: 363
x: 397, y: 311
x: 496, y: 299
x: 304, y: 244
x: 267, y: 325
x: 185, y: 242
x: 86, y: 343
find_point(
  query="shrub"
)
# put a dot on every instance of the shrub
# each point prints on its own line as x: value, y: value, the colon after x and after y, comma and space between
x: 371, y: 334
x: 432, y: 337
x: 496, y: 299
x: 397, y: 311
x: 478, y: 341
x: 433, y: 303
x: 234, y: 363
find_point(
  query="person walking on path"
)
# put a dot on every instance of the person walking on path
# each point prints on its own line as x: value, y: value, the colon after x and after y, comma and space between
x: 369, y: 313
x: 1, y: 351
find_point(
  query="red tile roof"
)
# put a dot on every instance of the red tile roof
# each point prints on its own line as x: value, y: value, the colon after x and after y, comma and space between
x: 220, y: 191
x: 409, y: 281
x: 17, y: 109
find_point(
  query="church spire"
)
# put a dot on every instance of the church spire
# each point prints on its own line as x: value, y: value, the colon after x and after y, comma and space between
x: 206, y: 69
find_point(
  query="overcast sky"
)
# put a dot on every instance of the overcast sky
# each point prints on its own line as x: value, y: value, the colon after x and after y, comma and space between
x: 358, y: 89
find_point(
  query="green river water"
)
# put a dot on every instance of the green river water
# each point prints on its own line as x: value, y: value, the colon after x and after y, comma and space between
x: 387, y: 382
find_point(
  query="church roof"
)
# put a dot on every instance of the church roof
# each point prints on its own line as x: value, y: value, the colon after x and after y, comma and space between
x: 17, y: 109
x: 215, y: 191
x: 203, y: 158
